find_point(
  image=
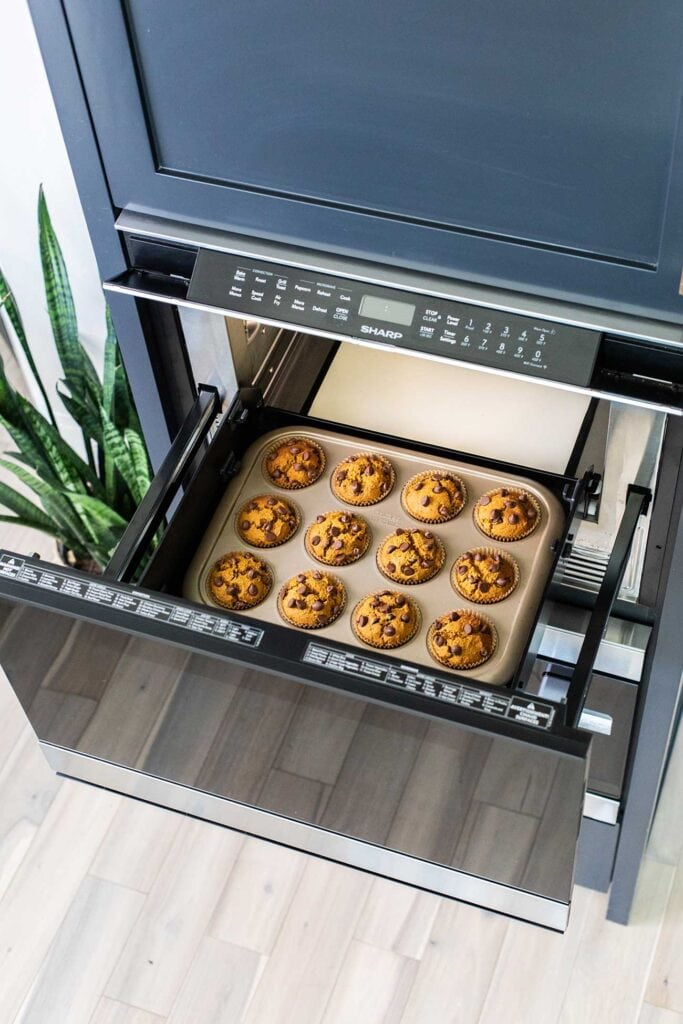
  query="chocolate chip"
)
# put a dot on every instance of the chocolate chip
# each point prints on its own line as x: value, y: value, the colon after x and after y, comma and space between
x: 425, y: 501
x: 320, y: 519
x: 252, y: 590
x: 389, y: 631
x: 399, y: 530
x: 362, y: 620
x: 345, y: 518
x: 405, y: 617
x: 439, y: 640
x: 245, y: 524
x: 355, y: 528
x: 303, y: 590
x: 337, y: 544
x: 355, y: 552
x: 418, y: 486
x: 291, y: 604
x: 408, y: 571
x: 277, y: 472
x: 301, y: 605
x: 437, y: 488
x: 468, y: 628
x: 405, y: 546
x: 484, y: 628
x: 426, y: 563
x: 391, y: 567
x: 400, y: 601
x: 496, y: 517
x: 391, y: 548
x: 428, y: 534
x: 443, y: 510
x: 484, y: 500
x: 484, y: 587
x: 233, y: 590
x: 335, y: 531
x: 316, y: 575
x: 298, y: 467
x: 454, y: 617
x: 531, y: 513
x: 512, y: 519
x: 455, y: 650
x: 504, y: 492
x: 479, y: 557
x: 369, y: 470
x: 356, y: 488
x: 269, y: 536
x: 315, y: 541
x: 462, y: 569
x: 301, y: 578
x: 501, y: 581
x: 317, y: 605
x: 306, y: 456
x: 341, y: 476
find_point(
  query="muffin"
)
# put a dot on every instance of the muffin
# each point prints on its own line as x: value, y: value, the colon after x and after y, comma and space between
x: 484, y: 575
x: 363, y: 479
x: 239, y: 580
x: 338, y: 538
x: 410, y: 556
x: 266, y: 521
x: 508, y: 513
x: 311, y: 600
x: 434, y: 497
x: 294, y: 463
x: 461, y: 639
x: 386, y: 619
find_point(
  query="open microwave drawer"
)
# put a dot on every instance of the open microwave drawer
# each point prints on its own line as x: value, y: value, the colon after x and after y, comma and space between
x: 466, y: 789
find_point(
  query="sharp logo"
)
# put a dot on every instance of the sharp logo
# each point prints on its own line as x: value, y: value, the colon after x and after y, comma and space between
x: 379, y: 332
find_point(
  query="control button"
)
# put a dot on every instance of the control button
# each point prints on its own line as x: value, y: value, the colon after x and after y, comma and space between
x: 323, y: 293
x: 427, y: 332
x: 452, y: 321
x: 281, y: 284
x: 466, y: 342
x: 488, y: 327
x: 261, y: 278
x: 449, y: 338
x: 298, y: 287
x: 344, y: 297
x: 469, y: 326
x: 519, y: 353
x: 319, y: 309
x: 298, y: 305
x: 341, y: 313
x: 240, y: 275
x: 236, y: 292
x: 256, y: 296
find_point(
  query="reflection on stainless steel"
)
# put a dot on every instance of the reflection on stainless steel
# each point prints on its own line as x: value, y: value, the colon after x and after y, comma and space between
x: 379, y: 860
x: 596, y: 721
x: 489, y: 819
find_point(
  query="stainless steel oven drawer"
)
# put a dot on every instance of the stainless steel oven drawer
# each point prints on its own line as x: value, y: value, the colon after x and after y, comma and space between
x: 475, y: 792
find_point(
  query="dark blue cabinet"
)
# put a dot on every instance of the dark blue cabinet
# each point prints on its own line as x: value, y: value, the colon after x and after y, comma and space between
x: 532, y: 145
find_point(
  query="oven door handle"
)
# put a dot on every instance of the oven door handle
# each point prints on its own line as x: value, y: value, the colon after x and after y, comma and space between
x: 637, y: 503
x: 149, y: 514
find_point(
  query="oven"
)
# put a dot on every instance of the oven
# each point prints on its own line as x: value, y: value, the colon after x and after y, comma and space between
x: 501, y: 786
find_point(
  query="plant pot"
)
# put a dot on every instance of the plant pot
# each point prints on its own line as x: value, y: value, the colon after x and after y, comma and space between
x: 70, y: 558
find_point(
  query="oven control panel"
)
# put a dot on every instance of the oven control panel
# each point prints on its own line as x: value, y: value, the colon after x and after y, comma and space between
x: 386, y: 316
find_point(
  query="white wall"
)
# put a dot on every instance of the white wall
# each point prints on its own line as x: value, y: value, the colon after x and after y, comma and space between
x: 32, y: 151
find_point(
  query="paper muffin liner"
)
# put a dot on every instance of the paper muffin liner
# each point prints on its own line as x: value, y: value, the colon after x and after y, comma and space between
x: 322, y: 625
x: 386, y: 647
x: 484, y: 599
x: 289, y: 441
x: 237, y: 606
x: 349, y: 561
x: 363, y: 504
x: 422, y: 476
x: 409, y: 582
x: 431, y: 647
x: 277, y: 543
x: 508, y: 540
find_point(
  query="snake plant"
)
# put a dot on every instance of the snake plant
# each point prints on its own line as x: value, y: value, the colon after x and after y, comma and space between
x: 83, y: 500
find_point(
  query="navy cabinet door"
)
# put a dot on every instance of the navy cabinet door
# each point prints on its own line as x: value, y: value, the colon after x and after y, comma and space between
x: 532, y: 145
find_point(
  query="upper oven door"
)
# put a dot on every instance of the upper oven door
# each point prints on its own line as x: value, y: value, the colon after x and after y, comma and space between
x: 530, y: 146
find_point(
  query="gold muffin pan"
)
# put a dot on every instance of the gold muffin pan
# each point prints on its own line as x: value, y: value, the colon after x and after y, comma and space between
x: 512, y: 617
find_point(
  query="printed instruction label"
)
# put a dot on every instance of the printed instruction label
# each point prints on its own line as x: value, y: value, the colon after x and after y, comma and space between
x: 126, y: 599
x: 407, y: 677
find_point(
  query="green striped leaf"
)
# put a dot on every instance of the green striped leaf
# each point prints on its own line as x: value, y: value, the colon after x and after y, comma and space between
x: 138, y: 455
x: 111, y: 358
x: 14, y: 316
x: 67, y: 465
x: 25, y: 508
x: 115, y: 447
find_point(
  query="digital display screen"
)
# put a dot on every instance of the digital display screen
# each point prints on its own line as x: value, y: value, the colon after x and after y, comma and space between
x: 387, y: 309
